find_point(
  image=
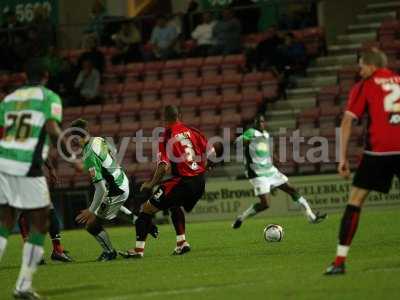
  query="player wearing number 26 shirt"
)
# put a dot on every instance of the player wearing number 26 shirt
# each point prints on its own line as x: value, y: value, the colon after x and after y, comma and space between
x: 29, y: 117
x: 184, y: 151
x: 376, y: 96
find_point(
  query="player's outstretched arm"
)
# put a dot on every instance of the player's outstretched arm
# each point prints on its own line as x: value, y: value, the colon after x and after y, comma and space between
x: 345, y: 133
x: 87, y: 216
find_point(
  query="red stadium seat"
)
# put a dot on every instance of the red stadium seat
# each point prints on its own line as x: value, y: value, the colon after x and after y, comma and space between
x: 231, y: 84
x: 328, y: 95
x: 190, y: 87
x: 308, y: 118
x: 211, y: 86
x: 172, y: 69
x: 132, y: 91
x: 170, y: 88
x: 192, y: 121
x: 111, y: 92
x: 152, y: 70
x: 191, y: 67
x: 211, y: 65
x: 251, y: 82
x: 110, y: 113
x: 129, y: 111
x: 171, y: 101
x: 233, y: 64
x: 110, y: 130
x: 191, y: 102
x: 151, y: 90
x: 133, y: 71
x: 128, y: 129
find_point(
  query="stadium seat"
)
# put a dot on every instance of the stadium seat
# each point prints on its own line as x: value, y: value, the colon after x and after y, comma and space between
x: 308, y: 118
x: 251, y: 82
x: 128, y: 129
x: 132, y: 91
x: 191, y: 67
x: 328, y: 95
x: 211, y: 66
x: 230, y: 104
x: 134, y: 71
x: 269, y: 89
x: 110, y: 130
x: 150, y: 110
x: 211, y: 85
x: 71, y: 113
x: 111, y: 92
x: 170, y: 88
x: 171, y: 101
x: 172, y: 69
x: 151, y: 90
x: 231, y: 120
x: 233, y: 64
x: 110, y: 113
x: 192, y: 121
x: 231, y: 84
x: 114, y: 73
x: 190, y: 87
x: 191, y: 102
x: 329, y: 115
x: 129, y: 111
x: 152, y: 70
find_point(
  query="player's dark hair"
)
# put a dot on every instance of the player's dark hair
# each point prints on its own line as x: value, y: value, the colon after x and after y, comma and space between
x: 171, y: 113
x: 374, y: 57
x: 79, y: 127
x: 35, y: 70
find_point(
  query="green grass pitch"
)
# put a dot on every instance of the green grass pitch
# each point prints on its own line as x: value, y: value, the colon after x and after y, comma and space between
x: 226, y: 263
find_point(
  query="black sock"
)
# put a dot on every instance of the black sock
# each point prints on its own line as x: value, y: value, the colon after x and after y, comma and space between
x: 143, y: 224
x: 54, y: 228
x: 349, y: 224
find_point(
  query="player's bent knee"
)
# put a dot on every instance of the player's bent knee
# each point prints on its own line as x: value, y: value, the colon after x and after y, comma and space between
x: 94, y: 228
x: 149, y: 208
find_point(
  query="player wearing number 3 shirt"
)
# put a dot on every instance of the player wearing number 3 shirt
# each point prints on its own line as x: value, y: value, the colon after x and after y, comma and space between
x: 184, y: 150
x: 377, y: 96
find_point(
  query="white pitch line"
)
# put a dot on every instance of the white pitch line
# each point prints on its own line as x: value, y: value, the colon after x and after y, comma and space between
x: 176, y: 292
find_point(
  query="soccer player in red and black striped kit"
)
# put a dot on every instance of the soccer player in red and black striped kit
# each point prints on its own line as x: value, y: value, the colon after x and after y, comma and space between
x: 184, y: 150
x: 377, y: 95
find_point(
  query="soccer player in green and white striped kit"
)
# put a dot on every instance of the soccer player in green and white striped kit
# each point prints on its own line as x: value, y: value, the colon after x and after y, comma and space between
x: 28, y: 118
x: 264, y: 176
x: 111, y: 188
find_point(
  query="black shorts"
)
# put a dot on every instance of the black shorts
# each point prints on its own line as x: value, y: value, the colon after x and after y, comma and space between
x: 375, y: 173
x: 179, y: 191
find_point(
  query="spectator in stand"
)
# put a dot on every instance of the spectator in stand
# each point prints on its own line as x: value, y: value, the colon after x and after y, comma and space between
x: 190, y: 18
x: 60, y: 71
x: 228, y: 34
x: 44, y: 28
x: 164, y: 39
x: 128, y: 41
x: 291, y: 58
x: 87, y: 84
x: 265, y: 55
x: 94, y: 55
x: 203, y: 35
x: 95, y: 27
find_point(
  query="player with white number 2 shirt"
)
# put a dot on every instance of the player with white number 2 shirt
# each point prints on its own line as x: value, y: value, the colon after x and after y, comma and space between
x: 377, y: 96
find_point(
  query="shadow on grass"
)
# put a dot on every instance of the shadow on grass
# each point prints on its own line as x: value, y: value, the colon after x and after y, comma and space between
x: 52, y: 264
x: 70, y: 290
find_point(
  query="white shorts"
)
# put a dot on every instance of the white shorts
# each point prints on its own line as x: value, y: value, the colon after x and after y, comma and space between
x: 24, y: 192
x: 111, y: 206
x: 263, y: 185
